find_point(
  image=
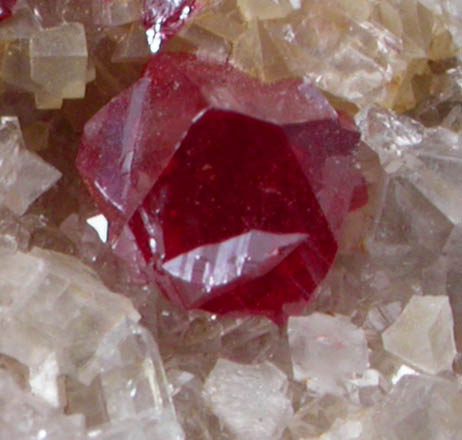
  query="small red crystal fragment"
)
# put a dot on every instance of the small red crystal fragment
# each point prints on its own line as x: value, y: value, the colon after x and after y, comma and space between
x: 166, y: 17
x: 6, y: 8
x: 232, y: 192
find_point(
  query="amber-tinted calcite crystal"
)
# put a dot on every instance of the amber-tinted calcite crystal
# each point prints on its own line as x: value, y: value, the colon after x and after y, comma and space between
x: 235, y: 191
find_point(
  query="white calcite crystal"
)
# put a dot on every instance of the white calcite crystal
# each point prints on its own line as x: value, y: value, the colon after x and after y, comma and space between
x: 25, y: 417
x: 251, y: 400
x: 429, y: 159
x: 24, y: 176
x: 85, y: 353
x: 423, y: 334
x: 326, y: 350
x: 420, y: 407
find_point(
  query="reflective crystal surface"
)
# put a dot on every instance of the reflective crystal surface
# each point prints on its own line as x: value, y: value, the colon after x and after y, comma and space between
x: 363, y: 51
x: 265, y: 189
x: 250, y: 399
x: 213, y: 173
x: 423, y: 334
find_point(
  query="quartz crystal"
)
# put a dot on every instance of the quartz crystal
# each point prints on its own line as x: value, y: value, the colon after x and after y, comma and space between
x: 251, y: 400
x: 423, y: 334
x: 279, y: 153
x: 326, y: 350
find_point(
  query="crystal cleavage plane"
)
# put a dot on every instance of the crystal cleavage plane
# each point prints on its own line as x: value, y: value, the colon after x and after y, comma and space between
x: 228, y: 193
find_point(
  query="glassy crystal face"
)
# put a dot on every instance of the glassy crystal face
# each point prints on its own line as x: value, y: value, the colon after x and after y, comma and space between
x: 235, y: 202
x: 6, y: 8
x: 362, y: 51
x: 163, y: 18
x: 234, y: 392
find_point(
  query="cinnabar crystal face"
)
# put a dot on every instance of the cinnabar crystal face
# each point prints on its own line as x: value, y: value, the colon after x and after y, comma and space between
x: 236, y: 202
x: 6, y: 7
x: 232, y: 223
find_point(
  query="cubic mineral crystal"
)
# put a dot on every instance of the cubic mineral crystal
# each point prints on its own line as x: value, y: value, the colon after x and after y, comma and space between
x: 251, y: 400
x: 234, y: 191
x: 423, y: 334
x: 59, y: 60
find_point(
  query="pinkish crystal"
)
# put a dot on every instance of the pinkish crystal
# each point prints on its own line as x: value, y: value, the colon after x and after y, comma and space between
x: 233, y: 191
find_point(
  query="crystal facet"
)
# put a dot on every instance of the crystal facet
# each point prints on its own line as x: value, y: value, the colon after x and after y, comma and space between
x: 163, y: 18
x: 317, y: 340
x: 6, y: 8
x: 423, y: 334
x: 250, y: 399
x: 235, y: 191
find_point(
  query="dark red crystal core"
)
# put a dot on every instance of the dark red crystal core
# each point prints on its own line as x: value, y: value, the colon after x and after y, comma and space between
x: 166, y: 17
x: 228, y: 193
x: 6, y: 8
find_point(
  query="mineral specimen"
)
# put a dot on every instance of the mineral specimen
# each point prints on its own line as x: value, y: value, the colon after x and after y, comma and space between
x: 163, y: 18
x: 363, y: 51
x: 250, y: 399
x: 6, y: 8
x: 24, y: 176
x: 423, y: 334
x: 317, y: 340
x: 377, y: 355
x: 81, y: 343
x: 235, y: 191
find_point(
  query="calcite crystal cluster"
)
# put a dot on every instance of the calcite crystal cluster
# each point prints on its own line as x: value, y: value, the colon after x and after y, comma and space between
x: 361, y: 51
x: 230, y: 220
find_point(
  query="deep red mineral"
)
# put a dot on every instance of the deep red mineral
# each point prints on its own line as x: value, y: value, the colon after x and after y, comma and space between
x: 6, y: 8
x: 230, y: 193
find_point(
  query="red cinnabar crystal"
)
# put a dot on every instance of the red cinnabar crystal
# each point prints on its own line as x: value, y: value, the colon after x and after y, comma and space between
x: 6, y: 8
x: 230, y: 193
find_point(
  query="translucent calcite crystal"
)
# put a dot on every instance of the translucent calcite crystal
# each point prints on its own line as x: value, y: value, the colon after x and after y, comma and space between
x: 236, y: 197
x: 116, y: 12
x: 84, y: 351
x: 163, y: 18
x: 51, y: 63
x: 423, y: 334
x: 24, y: 176
x: 317, y: 340
x: 250, y: 399
x: 429, y: 159
x: 360, y: 51
x: 420, y: 406
x: 59, y: 60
